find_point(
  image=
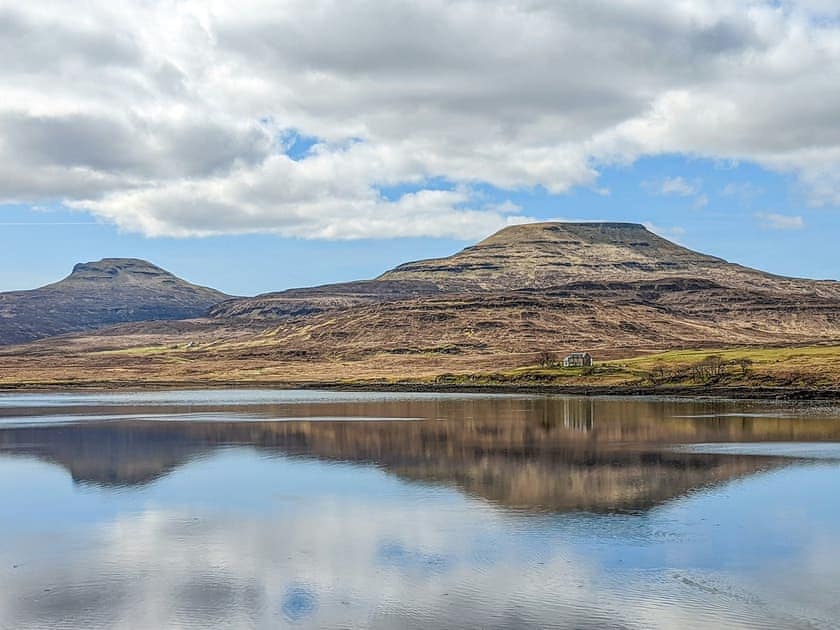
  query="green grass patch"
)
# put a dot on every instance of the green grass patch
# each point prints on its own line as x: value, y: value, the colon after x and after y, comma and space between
x: 756, y: 355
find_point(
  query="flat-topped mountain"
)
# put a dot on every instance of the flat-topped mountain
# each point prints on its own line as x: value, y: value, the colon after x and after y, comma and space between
x: 553, y: 254
x: 550, y: 254
x: 537, y: 256
x: 95, y: 294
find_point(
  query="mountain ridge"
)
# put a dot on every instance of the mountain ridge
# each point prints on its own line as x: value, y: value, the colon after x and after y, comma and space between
x: 528, y: 257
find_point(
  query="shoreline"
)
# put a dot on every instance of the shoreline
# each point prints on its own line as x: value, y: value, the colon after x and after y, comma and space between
x: 622, y: 391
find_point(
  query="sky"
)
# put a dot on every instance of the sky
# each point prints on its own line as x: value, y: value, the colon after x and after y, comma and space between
x: 255, y: 146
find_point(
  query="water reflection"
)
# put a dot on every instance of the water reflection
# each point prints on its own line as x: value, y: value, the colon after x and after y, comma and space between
x: 495, y: 512
x: 556, y: 454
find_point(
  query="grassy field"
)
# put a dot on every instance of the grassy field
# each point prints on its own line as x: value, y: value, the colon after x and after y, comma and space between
x: 813, y: 367
x: 802, y: 367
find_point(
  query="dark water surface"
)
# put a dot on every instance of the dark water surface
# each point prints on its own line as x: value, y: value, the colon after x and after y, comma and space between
x: 256, y: 509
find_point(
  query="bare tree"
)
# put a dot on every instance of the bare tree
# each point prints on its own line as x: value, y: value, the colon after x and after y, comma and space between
x: 715, y: 364
x: 710, y: 367
x: 546, y: 359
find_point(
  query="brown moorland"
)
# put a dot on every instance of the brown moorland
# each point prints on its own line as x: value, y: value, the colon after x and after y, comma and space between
x: 486, y: 316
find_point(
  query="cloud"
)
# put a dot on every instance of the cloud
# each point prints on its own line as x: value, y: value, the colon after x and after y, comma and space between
x: 673, y: 186
x: 173, y: 118
x: 700, y: 202
x: 673, y: 233
x: 325, y: 196
x: 780, y: 221
x: 679, y: 187
x: 745, y: 191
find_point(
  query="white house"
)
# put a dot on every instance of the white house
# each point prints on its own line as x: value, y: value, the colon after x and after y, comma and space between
x: 578, y: 359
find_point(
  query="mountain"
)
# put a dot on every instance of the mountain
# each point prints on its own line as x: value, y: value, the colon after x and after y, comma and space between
x: 579, y: 257
x: 96, y: 294
x: 614, y: 289
x: 541, y: 255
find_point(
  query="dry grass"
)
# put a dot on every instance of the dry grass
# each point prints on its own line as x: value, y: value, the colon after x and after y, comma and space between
x: 816, y: 367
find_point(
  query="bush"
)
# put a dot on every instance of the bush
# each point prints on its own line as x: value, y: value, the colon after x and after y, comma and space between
x: 710, y: 367
x: 745, y: 364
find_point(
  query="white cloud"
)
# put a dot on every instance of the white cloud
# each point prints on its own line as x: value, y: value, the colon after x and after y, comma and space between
x: 678, y: 186
x: 319, y: 197
x: 745, y: 191
x: 172, y: 118
x: 780, y: 221
x: 700, y: 202
x: 673, y: 233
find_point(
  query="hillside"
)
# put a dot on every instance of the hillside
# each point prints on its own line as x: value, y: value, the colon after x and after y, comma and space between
x: 101, y: 293
x: 613, y: 289
x: 580, y: 257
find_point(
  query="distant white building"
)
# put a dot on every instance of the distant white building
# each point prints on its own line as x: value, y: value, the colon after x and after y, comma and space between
x: 578, y: 359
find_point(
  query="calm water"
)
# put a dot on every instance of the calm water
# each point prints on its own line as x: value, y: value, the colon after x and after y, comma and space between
x: 254, y: 509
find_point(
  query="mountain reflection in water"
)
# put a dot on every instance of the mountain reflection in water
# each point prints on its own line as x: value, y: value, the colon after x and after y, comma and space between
x: 556, y: 454
x: 334, y: 510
